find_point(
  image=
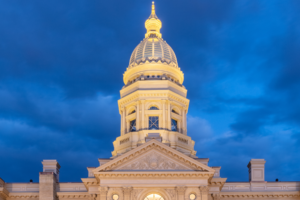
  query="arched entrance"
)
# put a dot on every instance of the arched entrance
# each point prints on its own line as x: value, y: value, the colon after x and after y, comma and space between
x: 154, y: 197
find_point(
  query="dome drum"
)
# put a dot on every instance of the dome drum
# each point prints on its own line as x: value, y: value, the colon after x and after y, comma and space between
x: 156, y: 69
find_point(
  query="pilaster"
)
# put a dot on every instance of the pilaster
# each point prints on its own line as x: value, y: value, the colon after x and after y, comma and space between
x: 103, y: 193
x: 137, y: 121
x: 204, y: 192
x: 47, y: 186
x: 180, y: 192
x: 143, y: 114
x: 127, y: 193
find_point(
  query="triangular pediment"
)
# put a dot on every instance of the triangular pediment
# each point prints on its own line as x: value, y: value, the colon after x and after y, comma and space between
x: 153, y: 156
x: 153, y: 160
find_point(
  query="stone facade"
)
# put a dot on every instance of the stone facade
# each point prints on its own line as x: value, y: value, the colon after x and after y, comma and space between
x: 153, y: 158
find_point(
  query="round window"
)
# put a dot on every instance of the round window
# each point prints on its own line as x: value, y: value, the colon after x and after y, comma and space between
x: 192, y: 196
x: 115, y: 197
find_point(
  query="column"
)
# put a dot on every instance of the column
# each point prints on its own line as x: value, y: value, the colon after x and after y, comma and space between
x: 127, y: 193
x: 143, y: 114
x: 127, y: 126
x: 103, y: 192
x: 180, y: 192
x: 164, y: 114
x: 169, y: 115
x: 137, y: 121
x: 204, y: 192
x: 184, y: 126
x: 124, y: 120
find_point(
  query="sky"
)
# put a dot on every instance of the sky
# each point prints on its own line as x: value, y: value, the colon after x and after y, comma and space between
x: 61, y: 68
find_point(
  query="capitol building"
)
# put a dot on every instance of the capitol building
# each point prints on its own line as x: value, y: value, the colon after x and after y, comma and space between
x: 154, y: 156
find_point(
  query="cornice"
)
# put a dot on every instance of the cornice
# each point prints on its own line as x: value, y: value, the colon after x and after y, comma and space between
x: 89, y: 182
x: 153, y: 144
x: 157, y: 93
x: 77, y: 195
x: 24, y: 195
x: 268, y: 194
x: 154, y: 175
x: 218, y: 182
x: 4, y: 192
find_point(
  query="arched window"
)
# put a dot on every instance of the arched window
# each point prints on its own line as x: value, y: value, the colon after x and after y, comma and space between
x: 174, y: 111
x: 132, y: 112
x: 153, y: 108
x: 154, y: 197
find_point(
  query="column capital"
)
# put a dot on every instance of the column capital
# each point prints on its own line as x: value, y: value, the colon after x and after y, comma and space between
x: 204, y: 188
x: 127, y: 190
x: 103, y: 189
x: 180, y: 190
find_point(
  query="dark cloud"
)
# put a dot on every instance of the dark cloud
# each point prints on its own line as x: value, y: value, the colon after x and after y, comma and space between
x: 61, y: 66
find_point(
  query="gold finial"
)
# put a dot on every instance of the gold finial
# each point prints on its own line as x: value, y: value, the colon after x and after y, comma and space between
x: 153, y: 9
x: 153, y: 24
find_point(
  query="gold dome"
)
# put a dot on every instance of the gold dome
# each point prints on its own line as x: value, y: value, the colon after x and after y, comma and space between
x: 155, y: 49
x: 153, y: 56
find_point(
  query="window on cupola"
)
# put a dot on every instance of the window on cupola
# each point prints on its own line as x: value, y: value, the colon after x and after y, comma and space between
x: 174, y: 125
x: 132, y: 125
x: 153, y: 123
x: 153, y: 108
x: 174, y: 111
x: 132, y: 112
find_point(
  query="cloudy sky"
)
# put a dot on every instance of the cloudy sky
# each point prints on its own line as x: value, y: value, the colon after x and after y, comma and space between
x: 61, y: 67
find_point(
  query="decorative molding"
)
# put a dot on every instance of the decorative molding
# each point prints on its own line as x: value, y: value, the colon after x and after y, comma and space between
x: 135, y: 193
x: 180, y: 190
x: 72, y: 196
x: 93, y: 197
x: 153, y: 144
x: 127, y: 190
x: 147, y: 174
x: 24, y: 195
x: 153, y: 161
x: 103, y: 190
x: 261, y: 195
x: 172, y: 193
x: 215, y: 196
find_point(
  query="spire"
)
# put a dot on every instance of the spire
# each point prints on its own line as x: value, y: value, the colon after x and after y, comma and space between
x: 153, y: 11
x: 153, y: 24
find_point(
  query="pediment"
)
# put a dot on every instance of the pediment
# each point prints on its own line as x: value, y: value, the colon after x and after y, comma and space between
x: 153, y: 156
x: 153, y: 160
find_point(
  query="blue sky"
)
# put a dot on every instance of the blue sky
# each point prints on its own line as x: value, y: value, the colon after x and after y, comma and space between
x: 61, y: 67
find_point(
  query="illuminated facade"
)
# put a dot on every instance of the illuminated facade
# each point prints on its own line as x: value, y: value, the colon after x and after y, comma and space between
x: 153, y: 158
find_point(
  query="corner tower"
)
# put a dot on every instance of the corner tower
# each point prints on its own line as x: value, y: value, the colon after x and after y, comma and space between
x: 153, y: 100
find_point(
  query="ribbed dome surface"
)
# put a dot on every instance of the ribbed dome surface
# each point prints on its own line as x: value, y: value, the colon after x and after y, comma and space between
x: 153, y: 49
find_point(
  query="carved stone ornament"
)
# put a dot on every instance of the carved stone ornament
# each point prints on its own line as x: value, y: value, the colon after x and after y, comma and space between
x: 103, y: 190
x: 153, y: 161
x: 127, y: 190
x: 204, y: 189
x: 180, y: 190
x: 93, y: 197
x: 135, y: 193
x: 172, y: 193
x: 216, y: 196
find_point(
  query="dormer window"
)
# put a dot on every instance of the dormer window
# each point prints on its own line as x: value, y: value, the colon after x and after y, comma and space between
x: 153, y: 108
